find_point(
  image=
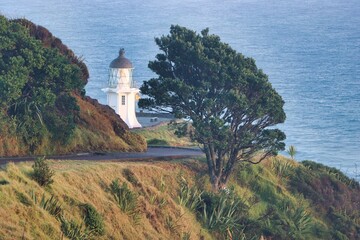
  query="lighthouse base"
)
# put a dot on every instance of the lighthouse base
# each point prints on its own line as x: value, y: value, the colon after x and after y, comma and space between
x: 123, y: 101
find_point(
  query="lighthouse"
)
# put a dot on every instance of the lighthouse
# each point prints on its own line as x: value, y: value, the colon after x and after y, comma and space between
x: 121, y: 91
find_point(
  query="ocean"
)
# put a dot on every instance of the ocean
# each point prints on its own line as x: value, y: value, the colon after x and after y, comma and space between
x: 310, y: 49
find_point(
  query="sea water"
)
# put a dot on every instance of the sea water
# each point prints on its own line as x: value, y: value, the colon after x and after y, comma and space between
x: 310, y: 49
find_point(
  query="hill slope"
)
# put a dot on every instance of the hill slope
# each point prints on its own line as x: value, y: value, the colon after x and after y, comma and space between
x: 43, y: 107
x: 278, y: 199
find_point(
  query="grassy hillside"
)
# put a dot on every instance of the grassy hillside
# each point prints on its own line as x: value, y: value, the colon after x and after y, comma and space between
x: 278, y: 199
x: 157, y: 214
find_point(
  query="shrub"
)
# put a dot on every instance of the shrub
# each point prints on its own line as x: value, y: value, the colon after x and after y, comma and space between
x: 125, y: 198
x: 337, y: 174
x: 42, y: 173
x: 156, y: 141
x: 189, y: 197
x: 51, y: 205
x: 292, y: 151
x: 93, y: 220
x: 74, y: 230
x: 282, y: 168
x: 301, y: 223
x: 223, y: 212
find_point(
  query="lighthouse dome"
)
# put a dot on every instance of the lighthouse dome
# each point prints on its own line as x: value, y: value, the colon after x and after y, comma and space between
x: 121, y: 61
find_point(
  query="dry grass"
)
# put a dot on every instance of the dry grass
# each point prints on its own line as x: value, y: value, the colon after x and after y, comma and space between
x: 98, y: 129
x: 77, y: 182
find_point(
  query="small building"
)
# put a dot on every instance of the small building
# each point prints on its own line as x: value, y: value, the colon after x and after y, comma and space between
x: 121, y: 90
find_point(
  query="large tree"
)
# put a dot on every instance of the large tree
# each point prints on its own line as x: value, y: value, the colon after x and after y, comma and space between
x: 229, y: 102
x: 36, y: 86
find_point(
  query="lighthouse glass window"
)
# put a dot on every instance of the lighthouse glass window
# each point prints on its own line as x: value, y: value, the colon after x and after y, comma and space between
x: 124, y: 77
x: 113, y: 77
x: 122, y: 100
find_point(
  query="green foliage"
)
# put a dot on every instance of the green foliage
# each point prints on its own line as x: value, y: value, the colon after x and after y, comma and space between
x: 42, y: 173
x: 159, y: 142
x: 223, y: 212
x: 93, y: 220
x: 74, y: 230
x: 346, y: 225
x: 228, y: 100
x: 189, y: 197
x: 51, y: 205
x: 336, y: 173
x: 23, y: 198
x: 126, y: 199
x: 282, y: 168
x: 300, y: 224
x: 35, y: 87
x: 292, y: 151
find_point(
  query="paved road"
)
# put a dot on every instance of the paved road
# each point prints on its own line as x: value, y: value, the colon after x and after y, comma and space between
x: 153, y: 153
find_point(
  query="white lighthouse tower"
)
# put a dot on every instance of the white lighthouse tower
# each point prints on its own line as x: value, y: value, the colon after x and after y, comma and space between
x: 121, y: 91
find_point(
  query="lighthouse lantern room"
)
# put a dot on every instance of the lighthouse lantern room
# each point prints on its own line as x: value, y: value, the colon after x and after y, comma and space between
x: 121, y: 91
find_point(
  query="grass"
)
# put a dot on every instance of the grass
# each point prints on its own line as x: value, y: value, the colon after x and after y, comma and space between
x: 78, y: 182
x: 99, y: 131
x: 173, y: 202
x: 163, y: 135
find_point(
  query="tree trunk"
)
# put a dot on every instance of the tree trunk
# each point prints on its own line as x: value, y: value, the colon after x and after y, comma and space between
x: 218, y: 182
x: 215, y: 182
x: 218, y: 175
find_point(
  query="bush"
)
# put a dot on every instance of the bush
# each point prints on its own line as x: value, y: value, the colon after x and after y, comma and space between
x: 282, y: 168
x: 331, y: 171
x: 125, y: 198
x: 52, y: 205
x: 74, y: 230
x: 223, y: 212
x: 189, y: 197
x: 156, y: 141
x: 93, y: 220
x: 42, y: 173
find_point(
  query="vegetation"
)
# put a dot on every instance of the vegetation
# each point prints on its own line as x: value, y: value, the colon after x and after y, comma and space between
x: 228, y: 100
x: 43, y: 110
x: 74, y: 230
x: 164, y: 135
x: 43, y: 107
x: 42, y: 173
x: 51, y: 205
x: 126, y: 199
x: 35, y: 87
x: 292, y: 151
x: 93, y: 220
x: 174, y: 200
